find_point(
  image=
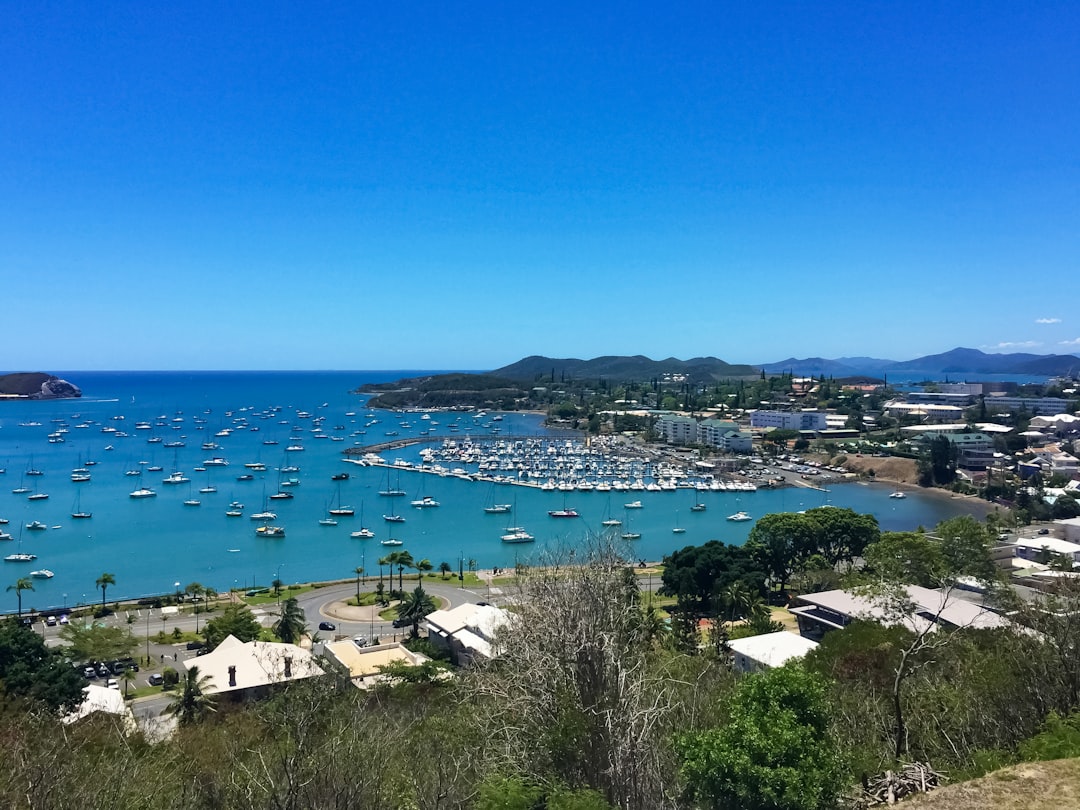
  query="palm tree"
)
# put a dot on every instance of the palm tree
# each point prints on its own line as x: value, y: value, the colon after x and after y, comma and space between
x: 385, y: 561
x: 359, y: 572
x: 191, y: 704
x: 472, y: 565
x: 404, y: 560
x: 444, y: 568
x: 21, y: 584
x: 290, y: 627
x: 128, y: 677
x: 416, y: 606
x: 208, y: 594
x: 103, y: 582
x: 422, y: 567
x: 737, y: 596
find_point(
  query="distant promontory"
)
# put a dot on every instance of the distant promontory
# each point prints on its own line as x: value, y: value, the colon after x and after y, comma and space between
x: 36, y: 385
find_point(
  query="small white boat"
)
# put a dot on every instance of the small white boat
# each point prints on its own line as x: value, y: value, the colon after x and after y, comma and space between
x: 192, y: 502
x: 43, y: 573
x: 327, y: 522
x: 520, y: 536
x: 36, y: 526
x: 897, y: 494
x: 391, y: 542
x: 362, y: 534
x: 144, y: 492
x: 267, y: 515
x: 633, y: 505
x: 20, y: 557
x: 425, y: 502
x: 738, y: 517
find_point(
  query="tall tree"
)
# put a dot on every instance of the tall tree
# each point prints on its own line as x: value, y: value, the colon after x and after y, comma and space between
x: 235, y: 620
x: 415, y: 607
x: 422, y: 567
x: 103, y: 582
x: 31, y: 671
x: 192, y: 703
x: 290, y: 626
x: 359, y: 573
x: 779, y: 543
x: 21, y: 584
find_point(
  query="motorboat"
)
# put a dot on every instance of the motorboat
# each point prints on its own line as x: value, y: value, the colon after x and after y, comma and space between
x: 563, y: 513
x: 21, y: 556
x: 739, y: 517
x: 42, y: 573
x: 36, y: 526
x: 267, y: 515
x: 391, y: 541
x: 362, y: 534
x: 270, y: 531
x: 897, y: 494
x: 340, y: 477
x: 633, y: 505
x: 143, y: 492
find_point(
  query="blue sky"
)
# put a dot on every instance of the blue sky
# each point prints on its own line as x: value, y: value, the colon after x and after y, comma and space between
x: 364, y: 185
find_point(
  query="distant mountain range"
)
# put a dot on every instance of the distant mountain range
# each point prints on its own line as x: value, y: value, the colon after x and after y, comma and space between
x: 956, y: 361
x: 620, y: 368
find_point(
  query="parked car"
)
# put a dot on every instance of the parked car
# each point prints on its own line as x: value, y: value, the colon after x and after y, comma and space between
x: 64, y: 619
x: 156, y: 679
x: 327, y: 626
x: 103, y: 671
x: 113, y: 684
x: 89, y: 673
x: 1044, y: 531
x: 402, y: 622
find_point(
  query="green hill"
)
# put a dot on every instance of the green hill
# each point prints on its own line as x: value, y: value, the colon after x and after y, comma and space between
x: 620, y: 368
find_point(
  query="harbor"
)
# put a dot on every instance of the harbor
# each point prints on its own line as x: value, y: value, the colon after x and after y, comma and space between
x: 278, y: 444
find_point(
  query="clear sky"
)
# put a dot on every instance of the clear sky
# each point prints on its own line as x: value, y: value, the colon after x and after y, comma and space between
x: 441, y: 185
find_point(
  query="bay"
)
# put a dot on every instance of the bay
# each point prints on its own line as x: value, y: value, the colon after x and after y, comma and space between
x: 151, y: 544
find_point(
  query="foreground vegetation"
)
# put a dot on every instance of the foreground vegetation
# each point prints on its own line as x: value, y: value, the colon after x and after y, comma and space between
x: 594, y: 702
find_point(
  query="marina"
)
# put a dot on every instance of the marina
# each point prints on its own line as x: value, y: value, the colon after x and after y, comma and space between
x: 554, y: 491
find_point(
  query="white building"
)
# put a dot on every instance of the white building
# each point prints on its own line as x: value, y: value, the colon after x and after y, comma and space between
x: 1032, y: 548
x: 467, y: 632
x: 248, y: 669
x: 724, y: 436
x: 677, y: 429
x: 756, y: 653
x: 789, y: 420
x: 1043, y: 406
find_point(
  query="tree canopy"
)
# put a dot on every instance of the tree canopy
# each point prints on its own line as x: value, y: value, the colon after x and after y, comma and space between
x: 235, y: 620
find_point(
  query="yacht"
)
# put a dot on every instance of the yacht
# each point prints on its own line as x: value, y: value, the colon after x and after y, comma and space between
x: 897, y: 494
x: 632, y: 505
x: 517, y: 536
x: 563, y: 513
x: 497, y: 509
x: 738, y: 517
x: 176, y: 478
x: 38, y: 496
x: 327, y: 522
x: 425, y: 502
x: 20, y: 557
x: 43, y: 573
x: 36, y: 526
x: 270, y: 531
x: 267, y: 515
x: 362, y: 534
x: 393, y: 518
x: 391, y: 541
x: 192, y: 502
x: 142, y: 492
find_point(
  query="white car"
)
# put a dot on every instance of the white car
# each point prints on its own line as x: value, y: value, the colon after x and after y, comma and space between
x: 113, y: 683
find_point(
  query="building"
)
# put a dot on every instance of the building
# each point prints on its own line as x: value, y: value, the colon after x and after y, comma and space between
x: 675, y: 429
x: 756, y: 653
x: 1040, y: 406
x: 466, y: 632
x: 789, y: 420
x: 242, y: 670
x: 1043, y: 548
x: 723, y: 435
x: 102, y: 699
x: 362, y: 665
x: 924, y: 411
x: 818, y: 613
x: 974, y: 451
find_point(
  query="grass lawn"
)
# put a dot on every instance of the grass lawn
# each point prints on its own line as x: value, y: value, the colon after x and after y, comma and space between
x: 287, y: 592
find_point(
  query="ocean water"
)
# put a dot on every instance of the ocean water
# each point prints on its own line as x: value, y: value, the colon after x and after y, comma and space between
x: 149, y: 545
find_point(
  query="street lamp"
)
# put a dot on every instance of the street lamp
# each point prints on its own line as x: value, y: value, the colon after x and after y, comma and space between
x: 148, y: 635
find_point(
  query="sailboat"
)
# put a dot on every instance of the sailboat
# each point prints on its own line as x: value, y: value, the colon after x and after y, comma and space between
x: 677, y: 529
x: 516, y: 534
x: 339, y: 510
x: 395, y: 491
x: 630, y: 534
x: 610, y: 521
x: 363, y: 533
x: 496, y: 508
x: 76, y: 510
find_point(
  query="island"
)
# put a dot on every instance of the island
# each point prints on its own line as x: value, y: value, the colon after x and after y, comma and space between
x: 36, y: 385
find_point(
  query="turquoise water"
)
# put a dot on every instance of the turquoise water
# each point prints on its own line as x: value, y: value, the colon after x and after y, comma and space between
x: 151, y: 544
